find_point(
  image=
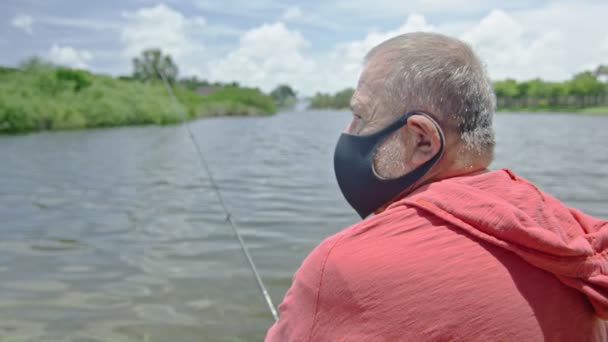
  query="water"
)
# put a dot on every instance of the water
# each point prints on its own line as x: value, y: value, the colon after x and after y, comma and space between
x: 115, y: 234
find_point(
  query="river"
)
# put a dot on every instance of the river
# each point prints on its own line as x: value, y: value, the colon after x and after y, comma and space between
x: 116, y: 234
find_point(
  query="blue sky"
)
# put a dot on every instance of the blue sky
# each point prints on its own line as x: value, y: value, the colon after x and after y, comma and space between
x: 312, y: 45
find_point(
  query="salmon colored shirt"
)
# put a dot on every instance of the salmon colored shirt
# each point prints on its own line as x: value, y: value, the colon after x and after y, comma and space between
x: 479, y: 258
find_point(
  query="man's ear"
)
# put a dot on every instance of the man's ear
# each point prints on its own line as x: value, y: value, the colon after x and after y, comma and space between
x: 426, y: 139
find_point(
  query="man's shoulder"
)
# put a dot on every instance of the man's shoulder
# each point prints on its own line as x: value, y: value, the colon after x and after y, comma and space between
x: 363, y: 242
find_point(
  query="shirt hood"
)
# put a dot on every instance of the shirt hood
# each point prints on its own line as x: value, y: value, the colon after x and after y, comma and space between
x: 503, y: 209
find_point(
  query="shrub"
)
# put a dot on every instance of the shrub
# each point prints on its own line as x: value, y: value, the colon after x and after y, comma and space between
x: 80, y: 78
x: 43, y: 97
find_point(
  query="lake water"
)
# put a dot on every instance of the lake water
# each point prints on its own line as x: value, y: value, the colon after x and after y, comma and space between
x: 116, y: 234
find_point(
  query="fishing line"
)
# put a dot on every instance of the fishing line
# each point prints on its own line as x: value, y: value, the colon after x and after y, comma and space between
x: 179, y: 109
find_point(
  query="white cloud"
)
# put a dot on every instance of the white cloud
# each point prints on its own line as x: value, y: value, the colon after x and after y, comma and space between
x: 68, y: 56
x: 552, y: 43
x: 157, y: 27
x: 267, y: 56
x: 293, y: 12
x: 451, y: 3
x: 243, y: 8
x: 165, y: 28
x: 580, y: 26
x: 81, y: 23
x: 510, y: 50
x: 355, y: 51
x: 272, y: 54
x: 23, y: 22
x: 463, y: 6
x: 344, y: 63
x: 296, y: 15
x: 391, y: 9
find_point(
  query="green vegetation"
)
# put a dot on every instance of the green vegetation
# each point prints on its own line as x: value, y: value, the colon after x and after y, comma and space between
x: 194, y: 83
x: 583, y: 92
x: 596, y: 110
x: 40, y: 96
x: 586, y: 92
x: 5, y: 70
x: 339, y: 100
x: 235, y: 100
x: 284, y: 96
x: 151, y: 64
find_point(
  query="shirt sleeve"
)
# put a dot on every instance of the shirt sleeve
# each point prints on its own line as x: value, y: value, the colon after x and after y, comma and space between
x: 299, y: 307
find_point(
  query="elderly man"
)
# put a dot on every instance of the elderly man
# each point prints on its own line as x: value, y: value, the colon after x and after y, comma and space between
x: 454, y: 252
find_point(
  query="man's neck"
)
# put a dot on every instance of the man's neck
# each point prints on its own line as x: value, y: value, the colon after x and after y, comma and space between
x: 466, y: 172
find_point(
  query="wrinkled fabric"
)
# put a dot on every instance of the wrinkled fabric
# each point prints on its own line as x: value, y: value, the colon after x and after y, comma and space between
x: 478, y: 258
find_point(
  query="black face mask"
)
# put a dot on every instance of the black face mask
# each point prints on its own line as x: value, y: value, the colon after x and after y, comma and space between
x: 364, y: 190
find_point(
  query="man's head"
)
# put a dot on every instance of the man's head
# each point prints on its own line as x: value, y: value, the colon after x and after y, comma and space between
x: 385, y: 154
x: 440, y: 76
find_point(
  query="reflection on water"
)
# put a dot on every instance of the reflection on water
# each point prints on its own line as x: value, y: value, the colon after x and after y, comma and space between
x: 115, y: 234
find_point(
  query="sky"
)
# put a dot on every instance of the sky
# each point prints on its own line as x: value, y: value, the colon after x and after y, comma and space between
x: 311, y: 45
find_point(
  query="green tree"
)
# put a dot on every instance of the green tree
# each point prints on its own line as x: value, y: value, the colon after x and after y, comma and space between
x: 81, y: 79
x: 151, y: 64
x: 538, y: 88
x: 342, y: 98
x: 586, y: 87
x: 284, y: 95
x: 7, y: 70
x: 585, y: 83
x: 339, y: 100
x: 507, y: 88
x: 506, y: 92
x: 34, y: 63
x: 558, y: 93
x: 602, y: 73
x: 538, y: 92
x: 194, y: 83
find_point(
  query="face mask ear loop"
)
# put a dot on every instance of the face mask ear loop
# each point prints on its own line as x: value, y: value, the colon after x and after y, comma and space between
x: 436, y: 158
x: 439, y: 154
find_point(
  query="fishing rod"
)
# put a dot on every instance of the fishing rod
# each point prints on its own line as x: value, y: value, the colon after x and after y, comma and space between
x: 235, y: 230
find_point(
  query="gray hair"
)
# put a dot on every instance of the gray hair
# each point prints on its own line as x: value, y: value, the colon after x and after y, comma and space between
x: 441, y: 75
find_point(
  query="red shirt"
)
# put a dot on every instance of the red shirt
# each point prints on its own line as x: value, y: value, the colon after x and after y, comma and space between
x: 479, y: 258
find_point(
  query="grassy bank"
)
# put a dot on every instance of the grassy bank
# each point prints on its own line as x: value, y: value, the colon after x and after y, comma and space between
x: 339, y: 100
x: 596, y: 110
x: 42, y: 97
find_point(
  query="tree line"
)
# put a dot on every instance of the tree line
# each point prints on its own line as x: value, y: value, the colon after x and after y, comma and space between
x: 584, y: 90
x: 339, y: 100
x: 152, y: 63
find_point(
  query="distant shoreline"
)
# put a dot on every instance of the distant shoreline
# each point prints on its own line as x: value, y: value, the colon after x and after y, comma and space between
x: 602, y: 110
x: 589, y: 110
x: 586, y: 92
